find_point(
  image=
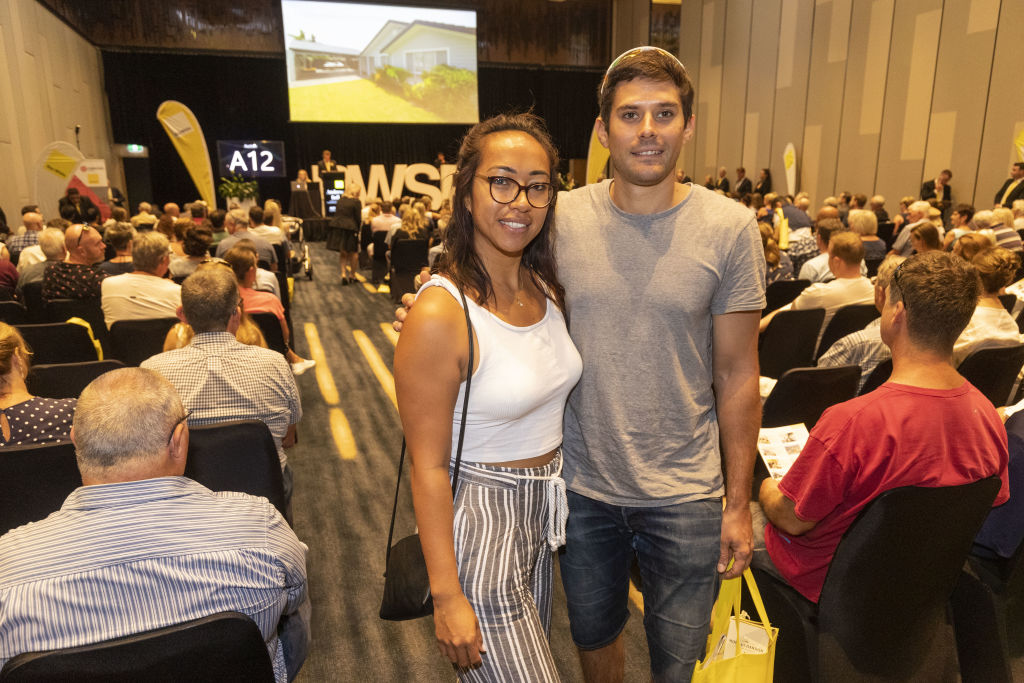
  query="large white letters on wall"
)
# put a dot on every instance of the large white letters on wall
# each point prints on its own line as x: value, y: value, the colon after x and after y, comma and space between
x: 410, y: 179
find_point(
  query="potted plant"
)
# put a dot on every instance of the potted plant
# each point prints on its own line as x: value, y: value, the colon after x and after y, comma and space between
x: 239, y: 190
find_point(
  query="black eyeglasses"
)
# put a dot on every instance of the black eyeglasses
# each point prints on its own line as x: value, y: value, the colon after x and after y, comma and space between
x: 216, y: 260
x: 505, y: 190
x: 188, y: 413
x: 85, y: 229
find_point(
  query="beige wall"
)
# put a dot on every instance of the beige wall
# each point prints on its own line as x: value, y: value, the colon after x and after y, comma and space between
x: 876, y: 95
x: 50, y: 79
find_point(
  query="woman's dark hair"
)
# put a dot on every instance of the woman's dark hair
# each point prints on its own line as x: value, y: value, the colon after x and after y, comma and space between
x: 197, y: 242
x: 459, y: 262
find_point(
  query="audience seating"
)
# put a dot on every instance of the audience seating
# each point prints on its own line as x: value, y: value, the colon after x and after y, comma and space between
x: 789, y: 341
x: 271, y: 328
x: 1008, y: 301
x: 380, y: 261
x: 32, y: 294
x: 872, y: 265
x: 847, y: 320
x: 13, y: 313
x: 1020, y: 321
x: 237, y: 456
x: 407, y: 258
x: 133, y: 341
x: 878, y: 377
x: 66, y: 380
x: 885, y: 232
x: 58, y: 343
x: 882, y: 614
x: 803, y: 394
x: 227, y: 646
x: 994, y: 371
x: 365, y: 240
x: 36, y: 481
x: 782, y: 292
x: 89, y: 310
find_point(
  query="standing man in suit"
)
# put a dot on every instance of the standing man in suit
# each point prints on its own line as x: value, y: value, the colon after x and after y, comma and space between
x: 743, y: 185
x: 1013, y: 188
x: 326, y: 164
x: 938, y: 188
x: 723, y: 180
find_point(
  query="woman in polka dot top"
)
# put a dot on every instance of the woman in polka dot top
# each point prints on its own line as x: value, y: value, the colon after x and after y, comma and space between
x: 26, y: 419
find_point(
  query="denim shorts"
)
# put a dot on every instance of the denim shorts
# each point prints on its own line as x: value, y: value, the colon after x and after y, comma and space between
x: 676, y: 548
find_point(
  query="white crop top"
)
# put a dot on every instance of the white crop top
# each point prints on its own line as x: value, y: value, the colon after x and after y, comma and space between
x: 522, y: 380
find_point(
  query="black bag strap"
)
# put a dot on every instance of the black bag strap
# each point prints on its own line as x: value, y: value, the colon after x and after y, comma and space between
x: 462, y: 433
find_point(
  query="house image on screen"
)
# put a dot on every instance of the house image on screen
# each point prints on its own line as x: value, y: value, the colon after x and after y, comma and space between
x: 313, y: 60
x: 418, y: 47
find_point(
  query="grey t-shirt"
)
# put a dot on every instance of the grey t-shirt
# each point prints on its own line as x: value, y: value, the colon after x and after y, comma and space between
x: 640, y: 427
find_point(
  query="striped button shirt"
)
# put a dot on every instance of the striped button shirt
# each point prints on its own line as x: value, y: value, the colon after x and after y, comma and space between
x: 129, y: 557
x: 220, y: 379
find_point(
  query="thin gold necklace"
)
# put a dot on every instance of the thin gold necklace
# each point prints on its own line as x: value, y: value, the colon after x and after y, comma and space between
x: 519, y: 277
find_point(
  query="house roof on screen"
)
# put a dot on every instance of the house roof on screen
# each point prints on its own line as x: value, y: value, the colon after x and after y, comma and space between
x: 316, y: 46
x: 431, y: 24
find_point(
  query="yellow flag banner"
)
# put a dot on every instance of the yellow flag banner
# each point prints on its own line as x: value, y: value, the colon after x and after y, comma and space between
x: 597, y: 158
x: 1018, y: 144
x: 54, y: 169
x: 181, y: 126
x: 789, y: 163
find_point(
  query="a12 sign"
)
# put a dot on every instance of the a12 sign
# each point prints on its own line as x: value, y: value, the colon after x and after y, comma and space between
x: 251, y: 158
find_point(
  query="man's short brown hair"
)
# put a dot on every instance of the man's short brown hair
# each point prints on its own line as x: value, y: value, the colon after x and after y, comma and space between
x: 940, y: 292
x: 826, y: 227
x: 209, y: 297
x: 645, y: 62
x: 848, y: 247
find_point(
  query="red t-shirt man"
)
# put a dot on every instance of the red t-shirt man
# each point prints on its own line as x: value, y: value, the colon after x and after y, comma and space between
x: 898, y: 435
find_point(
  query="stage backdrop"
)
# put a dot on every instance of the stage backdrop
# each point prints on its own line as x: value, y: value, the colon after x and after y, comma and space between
x: 240, y: 98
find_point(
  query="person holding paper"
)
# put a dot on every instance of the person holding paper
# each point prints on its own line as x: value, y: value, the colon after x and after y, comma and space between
x: 926, y: 426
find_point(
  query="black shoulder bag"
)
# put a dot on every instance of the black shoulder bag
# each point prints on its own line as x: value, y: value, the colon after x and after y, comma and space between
x: 406, y: 584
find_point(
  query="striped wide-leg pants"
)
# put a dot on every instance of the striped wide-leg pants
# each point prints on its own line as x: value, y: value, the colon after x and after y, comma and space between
x: 505, y: 568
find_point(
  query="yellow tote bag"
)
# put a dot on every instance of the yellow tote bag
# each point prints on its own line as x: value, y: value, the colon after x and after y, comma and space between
x: 739, y: 650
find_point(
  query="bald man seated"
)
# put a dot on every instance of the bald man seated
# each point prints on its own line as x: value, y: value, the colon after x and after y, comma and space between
x: 139, y: 546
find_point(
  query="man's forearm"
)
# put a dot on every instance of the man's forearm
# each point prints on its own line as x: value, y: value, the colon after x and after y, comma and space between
x: 739, y: 419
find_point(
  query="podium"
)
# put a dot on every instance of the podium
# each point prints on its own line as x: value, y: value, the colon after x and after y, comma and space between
x: 301, y: 204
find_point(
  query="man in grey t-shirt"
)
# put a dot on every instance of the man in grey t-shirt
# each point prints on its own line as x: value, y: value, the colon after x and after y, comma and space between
x: 664, y: 287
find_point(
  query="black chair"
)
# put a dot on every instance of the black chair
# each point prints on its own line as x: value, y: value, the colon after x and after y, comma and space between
x: 994, y: 371
x: 271, y: 328
x: 847, y: 320
x: 13, y: 313
x: 1008, y: 301
x: 872, y: 265
x: 885, y: 232
x: 227, y: 646
x: 32, y: 295
x: 803, y: 394
x: 89, y: 310
x: 58, y: 343
x: 1020, y: 321
x: 789, y: 341
x: 133, y: 341
x: 365, y: 240
x: 877, y: 378
x: 66, y: 380
x: 882, y: 614
x: 782, y: 292
x: 380, y: 260
x: 237, y: 456
x: 407, y: 258
x: 37, y: 480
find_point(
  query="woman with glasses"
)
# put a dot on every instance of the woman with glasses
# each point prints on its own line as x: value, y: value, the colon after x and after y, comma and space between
x: 489, y: 553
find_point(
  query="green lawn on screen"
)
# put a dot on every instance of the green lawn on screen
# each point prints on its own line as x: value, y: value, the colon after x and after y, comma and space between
x: 358, y: 100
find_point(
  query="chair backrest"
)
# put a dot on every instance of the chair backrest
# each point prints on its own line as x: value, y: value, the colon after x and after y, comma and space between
x: 379, y: 247
x: 32, y: 293
x: 878, y: 377
x: 409, y: 256
x: 89, y: 310
x: 993, y: 371
x: 782, y: 292
x: 133, y: 341
x: 271, y: 328
x: 13, y: 313
x: 847, y: 320
x: 236, y: 456
x: 885, y: 595
x: 803, y: 394
x: 66, y: 380
x: 789, y: 341
x: 58, y: 343
x: 227, y: 646
x: 885, y: 230
x: 283, y: 259
x: 1008, y: 301
x: 36, y: 481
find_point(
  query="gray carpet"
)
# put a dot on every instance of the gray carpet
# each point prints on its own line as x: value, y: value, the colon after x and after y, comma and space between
x: 342, y: 507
